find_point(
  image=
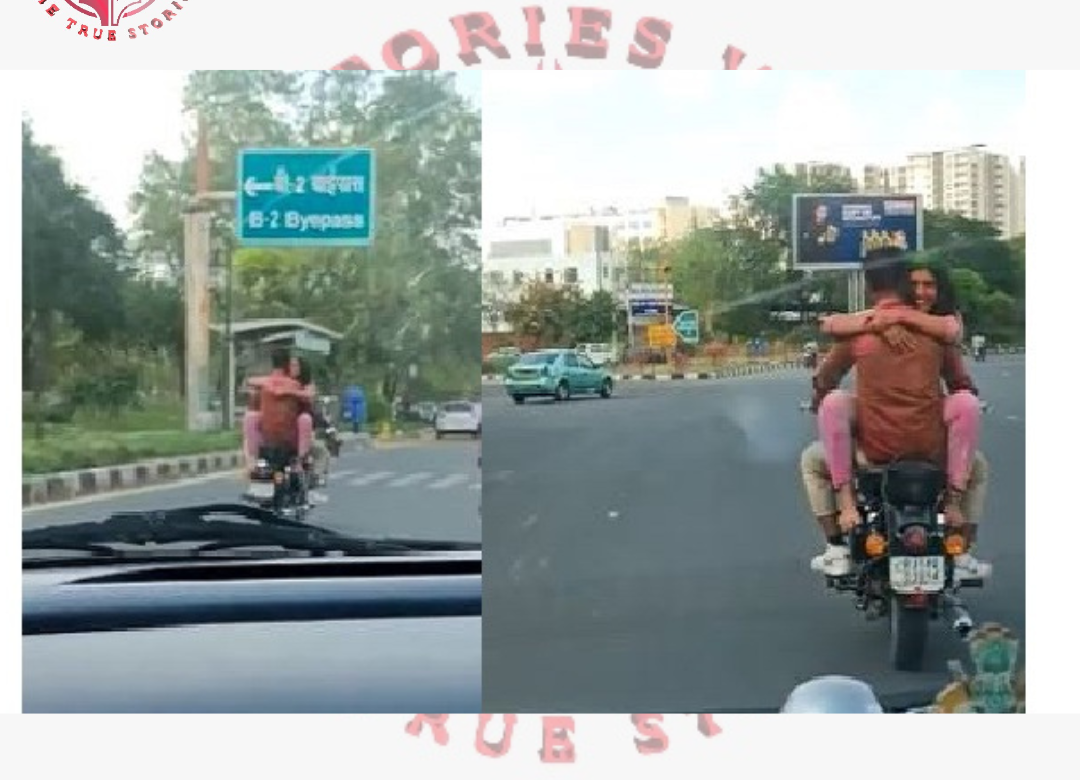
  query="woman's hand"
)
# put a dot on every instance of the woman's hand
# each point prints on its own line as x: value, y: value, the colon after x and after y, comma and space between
x: 899, y: 338
x: 885, y: 319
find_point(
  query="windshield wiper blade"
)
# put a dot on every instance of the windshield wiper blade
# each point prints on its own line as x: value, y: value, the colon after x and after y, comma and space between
x: 431, y: 545
x: 193, y: 524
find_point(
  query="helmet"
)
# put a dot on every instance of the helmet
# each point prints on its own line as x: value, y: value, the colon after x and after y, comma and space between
x: 833, y: 695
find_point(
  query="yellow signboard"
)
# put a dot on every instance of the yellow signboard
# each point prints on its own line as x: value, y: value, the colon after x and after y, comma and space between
x: 662, y: 336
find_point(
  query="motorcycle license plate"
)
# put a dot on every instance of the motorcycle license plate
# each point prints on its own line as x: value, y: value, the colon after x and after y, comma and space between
x: 261, y: 489
x: 917, y: 575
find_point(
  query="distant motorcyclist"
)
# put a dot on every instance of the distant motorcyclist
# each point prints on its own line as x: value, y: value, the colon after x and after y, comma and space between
x: 978, y: 346
x: 277, y: 423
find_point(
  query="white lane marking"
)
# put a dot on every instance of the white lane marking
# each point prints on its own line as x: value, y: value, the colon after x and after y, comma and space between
x: 410, y: 479
x: 450, y: 481
x: 475, y: 486
x: 367, y: 479
x: 116, y: 495
x: 336, y: 475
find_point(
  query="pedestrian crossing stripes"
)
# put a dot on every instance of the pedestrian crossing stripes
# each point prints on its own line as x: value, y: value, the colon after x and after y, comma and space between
x: 419, y: 480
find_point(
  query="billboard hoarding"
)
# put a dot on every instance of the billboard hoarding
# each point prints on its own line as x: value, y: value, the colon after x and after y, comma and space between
x: 836, y: 231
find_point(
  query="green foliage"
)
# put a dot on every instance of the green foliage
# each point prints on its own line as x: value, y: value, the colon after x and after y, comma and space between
x: 559, y: 315
x: 97, y: 330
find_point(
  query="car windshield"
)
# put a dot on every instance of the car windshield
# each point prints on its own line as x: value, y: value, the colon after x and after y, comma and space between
x: 224, y: 350
x: 539, y: 358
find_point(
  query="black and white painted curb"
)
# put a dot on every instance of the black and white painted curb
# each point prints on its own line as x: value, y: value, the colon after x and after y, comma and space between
x: 731, y: 371
x: 747, y: 369
x: 67, y: 485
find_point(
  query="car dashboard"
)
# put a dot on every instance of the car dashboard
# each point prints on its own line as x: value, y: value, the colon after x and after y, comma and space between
x: 329, y: 635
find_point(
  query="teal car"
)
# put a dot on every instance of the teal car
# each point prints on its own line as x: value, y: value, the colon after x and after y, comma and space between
x: 558, y: 374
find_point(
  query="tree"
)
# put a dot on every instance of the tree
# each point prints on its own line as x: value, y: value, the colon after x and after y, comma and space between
x: 546, y: 312
x: 942, y: 228
x: 767, y: 203
x: 413, y: 296
x: 496, y: 298
x: 70, y: 275
x: 595, y: 319
x: 561, y: 315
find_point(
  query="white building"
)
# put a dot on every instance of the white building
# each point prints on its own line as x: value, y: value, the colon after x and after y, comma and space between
x: 970, y: 181
x: 554, y: 250
x: 588, y: 250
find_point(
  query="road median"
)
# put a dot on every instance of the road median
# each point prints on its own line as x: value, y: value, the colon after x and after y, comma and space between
x: 668, y: 375
x: 58, y: 486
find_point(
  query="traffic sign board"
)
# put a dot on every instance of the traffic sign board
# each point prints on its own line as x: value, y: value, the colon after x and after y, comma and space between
x: 687, y: 326
x: 305, y: 197
x: 662, y: 336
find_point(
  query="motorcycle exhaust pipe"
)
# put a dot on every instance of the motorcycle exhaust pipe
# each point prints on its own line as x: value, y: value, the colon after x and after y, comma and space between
x: 962, y: 625
x: 962, y: 622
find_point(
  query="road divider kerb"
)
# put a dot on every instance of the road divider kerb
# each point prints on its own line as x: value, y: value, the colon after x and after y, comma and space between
x: 723, y: 373
x: 744, y: 369
x: 64, y: 486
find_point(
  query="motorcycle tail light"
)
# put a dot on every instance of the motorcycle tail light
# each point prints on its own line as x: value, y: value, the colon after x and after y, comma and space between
x: 914, y: 539
x: 875, y: 545
x: 955, y: 545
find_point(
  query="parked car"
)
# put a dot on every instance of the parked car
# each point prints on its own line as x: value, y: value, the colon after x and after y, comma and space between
x: 458, y: 417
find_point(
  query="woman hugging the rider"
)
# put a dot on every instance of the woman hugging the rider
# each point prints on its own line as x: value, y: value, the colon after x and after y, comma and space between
x: 935, y: 315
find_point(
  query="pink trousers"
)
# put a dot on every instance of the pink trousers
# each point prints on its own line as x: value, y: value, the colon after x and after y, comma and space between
x: 253, y: 436
x: 962, y: 417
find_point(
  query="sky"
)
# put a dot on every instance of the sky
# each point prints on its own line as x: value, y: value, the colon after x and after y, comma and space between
x: 558, y: 141
x: 103, y: 135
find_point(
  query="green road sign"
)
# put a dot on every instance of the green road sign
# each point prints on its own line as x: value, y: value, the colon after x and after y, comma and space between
x: 686, y: 325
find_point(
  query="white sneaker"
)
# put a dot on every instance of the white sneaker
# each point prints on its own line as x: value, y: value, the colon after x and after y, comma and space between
x: 834, y: 562
x: 968, y: 567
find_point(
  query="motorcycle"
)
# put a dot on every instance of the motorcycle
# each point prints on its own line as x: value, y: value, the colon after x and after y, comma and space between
x: 281, y: 483
x: 329, y: 435
x: 904, y: 557
x: 980, y: 354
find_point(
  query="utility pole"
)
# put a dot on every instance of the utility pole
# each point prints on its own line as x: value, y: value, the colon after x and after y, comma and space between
x: 196, y: 293
x: 198, y: 219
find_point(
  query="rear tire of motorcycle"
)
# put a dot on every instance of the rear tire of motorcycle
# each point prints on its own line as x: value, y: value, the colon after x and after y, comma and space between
x: 909, y: 630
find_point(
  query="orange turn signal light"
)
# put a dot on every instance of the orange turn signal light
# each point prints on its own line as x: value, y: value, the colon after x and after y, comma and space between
x: 955, y: 545
x: 875, y: 545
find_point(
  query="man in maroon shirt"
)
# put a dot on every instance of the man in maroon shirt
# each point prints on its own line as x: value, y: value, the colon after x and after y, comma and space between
x: 898, y: 402
x: 279, y: 406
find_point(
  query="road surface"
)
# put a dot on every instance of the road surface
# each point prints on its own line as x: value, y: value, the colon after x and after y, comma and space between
x: 427, y: 490
x: 650, y: 553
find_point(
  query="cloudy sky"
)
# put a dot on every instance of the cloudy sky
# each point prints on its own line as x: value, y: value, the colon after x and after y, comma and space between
x: 561, y: 140
x: 102, y: 135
